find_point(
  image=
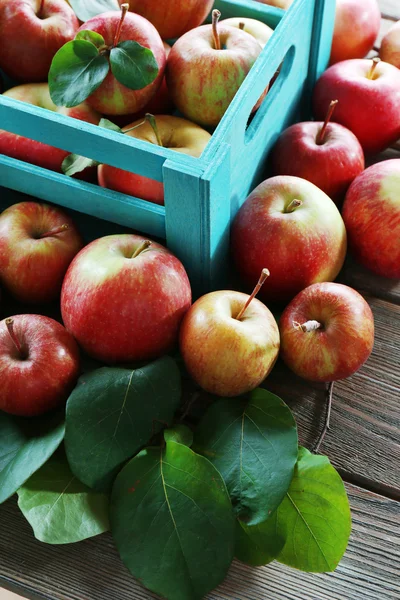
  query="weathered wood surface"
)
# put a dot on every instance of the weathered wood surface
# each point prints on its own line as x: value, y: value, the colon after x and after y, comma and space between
x: 92, y: 569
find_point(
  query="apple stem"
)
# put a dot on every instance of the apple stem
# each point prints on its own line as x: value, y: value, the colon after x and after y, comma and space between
x: 134, y: 127
x: 264, y: 276
x: 216, y: 15
x: 153, y: 123
x: 143, y: 246
x: 331, y: 110
x: 17, y: 344
x: 242, y: 26
x: 55, y: 231
x: 375, y: 63
x: 327, y: 424
x: 124, y: 10
x: 293, y: 205
x: 308, y: 326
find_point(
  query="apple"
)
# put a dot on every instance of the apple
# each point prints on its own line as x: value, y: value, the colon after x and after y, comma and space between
x: 171, y: 132
x: 284, y: 4
x: 259, y: 30
x: 111, y: 97
x: 294, y: 229
x: 124, y: 297
x: 327, y: 332
x: 173, y: 18
x: 36, y: 153
x: 327, y: 154
x: 390, y: 48
x: 357, y: 25
x: 229, y: 341
x: 371, y: 213
x: 37, y: 244
x: 39, y: 365
x: 206, y: 68
x: 31, y: 32
x: 369, y: 100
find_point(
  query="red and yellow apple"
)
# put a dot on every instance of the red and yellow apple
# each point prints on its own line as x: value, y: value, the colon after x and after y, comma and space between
x: 175, y: 133
x: 390, y: 48
x: 259, y: 30
x: 357, y: 25
x: 371, y: 213
x: 327, y: 332
x: 31, y: 32
x: 284, y: 4
x: 124, y: 297
x: 37, y: 244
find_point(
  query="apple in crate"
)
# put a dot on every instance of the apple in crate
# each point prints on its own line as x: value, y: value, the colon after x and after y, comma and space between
x: 327, y: 332
x: 37, y: 244
x: 31, y: 32
x: 33, y: 152
x: 39, y: 365
x: 327, y: 154
x: 171, y: 132
x: 284, y: 4
x: 371, y: 213
x: 259, y: 30
x: 368, y: 92
x: 229, y: 341
x: 173, y: 18
x: 292, y: 228
x: 124, y: 297
x: 112, y: 97
x: 206, y: 68
x: 357, y: 25
x: 390, y: 48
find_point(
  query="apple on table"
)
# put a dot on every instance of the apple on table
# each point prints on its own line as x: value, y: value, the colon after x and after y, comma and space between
x: 390, y: 48
x: 31, y: 33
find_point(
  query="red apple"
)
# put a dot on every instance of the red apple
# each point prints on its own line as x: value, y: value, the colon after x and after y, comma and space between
x: 259, y: 30
x: 371, y: 213
x: 172, y: 132
x: 113, y: 98
x: 37, y: 244
x: 369, y: 100
x: 327, y: 332
x: 390, y: 48
x: 357, y: 25
x: 39, y: 365
x: 295, y: 230
x: 206, y: 68
x: 229, y: 342
x: 327, y: 154
x: 124, y: 297
x: 173, y: 18
x: 31, y: 32
x: 33, y: 152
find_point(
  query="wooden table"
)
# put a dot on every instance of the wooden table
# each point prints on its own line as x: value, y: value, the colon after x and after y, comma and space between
x: 363, y: 444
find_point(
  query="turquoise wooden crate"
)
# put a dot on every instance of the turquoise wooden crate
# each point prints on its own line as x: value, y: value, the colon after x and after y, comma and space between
x: 202, y: 195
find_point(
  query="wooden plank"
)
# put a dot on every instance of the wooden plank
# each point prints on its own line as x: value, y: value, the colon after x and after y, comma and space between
x: 360, y: 278
x: 364, y: 441
x: 92, y: 569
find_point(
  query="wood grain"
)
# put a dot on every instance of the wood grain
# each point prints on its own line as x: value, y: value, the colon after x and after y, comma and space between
x: 92, y: 570
x: 360, y: 278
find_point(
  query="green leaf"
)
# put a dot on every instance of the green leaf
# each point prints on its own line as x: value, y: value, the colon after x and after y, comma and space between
x: 314, y: 518
x: 133, y: 65
x: 172, y: 522
x: 180, y: 434
x: 113, y: 413
x: 109, y: 125
x: 258, y: 545
x: 74, y: 163
x: 25, y: 445
x: 59, y: 508
x: 253, y: 443
x: 91, y: 36
x: 76, y: 72
x: 86, y: 9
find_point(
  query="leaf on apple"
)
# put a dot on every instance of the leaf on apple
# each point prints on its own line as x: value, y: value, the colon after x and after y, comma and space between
x: 25, y: 445
x: 86, y: 9
x: 172, y: 522
x: 113, y: 413
x: 77, y: 70
x: 110, y: 125
x: 253, y: 443
x: 59, y: 508
x: 314, y: 521
x: 91, y: 36
x: 133, y: 65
